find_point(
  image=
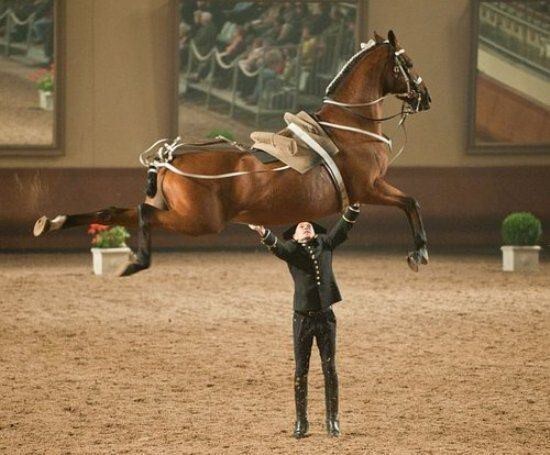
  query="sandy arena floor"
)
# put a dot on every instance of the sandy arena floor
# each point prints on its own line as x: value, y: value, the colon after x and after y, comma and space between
x: 195, y: 356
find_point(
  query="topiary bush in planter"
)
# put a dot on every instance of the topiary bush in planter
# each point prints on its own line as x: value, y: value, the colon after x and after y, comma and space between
x: 521, y: 233
x: 521, y: 229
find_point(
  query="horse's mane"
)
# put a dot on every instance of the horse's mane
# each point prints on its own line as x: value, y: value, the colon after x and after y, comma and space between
x: 346, y: 69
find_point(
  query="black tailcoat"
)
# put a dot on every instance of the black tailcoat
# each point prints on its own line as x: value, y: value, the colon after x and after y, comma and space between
x: 310, y: 264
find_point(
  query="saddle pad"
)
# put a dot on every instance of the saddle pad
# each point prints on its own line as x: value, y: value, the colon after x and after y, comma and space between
x: 291, y: 150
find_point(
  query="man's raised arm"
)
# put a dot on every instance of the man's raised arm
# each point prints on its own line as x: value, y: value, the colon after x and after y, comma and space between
x: 277, y: 247
x: 339, y: 232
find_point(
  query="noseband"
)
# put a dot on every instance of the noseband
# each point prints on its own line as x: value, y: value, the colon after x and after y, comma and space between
x: 401, y: 67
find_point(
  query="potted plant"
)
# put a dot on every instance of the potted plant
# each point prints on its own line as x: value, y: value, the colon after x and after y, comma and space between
x: 109, y: 250
x: 44, y: 80
x: 521, y: 233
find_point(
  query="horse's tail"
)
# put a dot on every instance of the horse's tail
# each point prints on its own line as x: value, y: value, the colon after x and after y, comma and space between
x: 151, y: 186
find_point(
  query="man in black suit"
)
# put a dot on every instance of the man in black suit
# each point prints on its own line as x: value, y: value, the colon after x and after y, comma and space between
x: 307, y: 250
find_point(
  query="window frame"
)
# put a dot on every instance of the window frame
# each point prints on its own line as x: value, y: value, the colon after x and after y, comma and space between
x: 56, y: 148
x: 475, y: 148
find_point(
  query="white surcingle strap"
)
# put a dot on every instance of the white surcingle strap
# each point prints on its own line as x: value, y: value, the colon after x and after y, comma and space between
x: 352, y: 129
x: 166, y: 154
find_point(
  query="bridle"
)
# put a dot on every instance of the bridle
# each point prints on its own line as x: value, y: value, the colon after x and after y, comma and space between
x: 413, y: 90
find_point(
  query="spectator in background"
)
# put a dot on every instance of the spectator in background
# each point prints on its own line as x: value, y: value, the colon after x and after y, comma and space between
x: 205, y: 38
x: 43, y: 20
x: 271, y: 34
x: 336, y: 18
x: 184, y: 36
x: 253, y: 59
x: 308, y: 47
x: 308, y: 52
x: 226, y: 33
x: 274, y: 66
x: 292, y: 16
x: 213, y: 7
x: 267, y: 20
x: 321, y: 20
x: 235, y: 47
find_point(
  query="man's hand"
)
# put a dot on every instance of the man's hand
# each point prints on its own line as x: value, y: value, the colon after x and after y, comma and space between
x: 259, y: 229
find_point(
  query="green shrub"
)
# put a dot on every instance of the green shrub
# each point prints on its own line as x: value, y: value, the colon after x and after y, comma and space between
x: 221, y: 132
x: 106, y: 237
x: 521, y: 228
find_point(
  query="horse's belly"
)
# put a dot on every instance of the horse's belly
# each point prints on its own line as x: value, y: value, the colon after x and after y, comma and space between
x: 292, y: 197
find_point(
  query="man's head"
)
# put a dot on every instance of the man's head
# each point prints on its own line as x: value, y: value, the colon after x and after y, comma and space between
x: 205, y: 18
x: 304, y: 232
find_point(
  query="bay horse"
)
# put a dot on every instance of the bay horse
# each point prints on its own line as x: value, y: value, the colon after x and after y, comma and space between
x: 354, y: 109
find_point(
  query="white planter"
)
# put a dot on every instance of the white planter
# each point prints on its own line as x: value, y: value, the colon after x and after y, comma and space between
x: 520, y: 258
x: 46, y: 100
x: 108, y: 261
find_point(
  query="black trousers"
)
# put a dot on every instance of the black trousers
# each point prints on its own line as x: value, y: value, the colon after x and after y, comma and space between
x: 322, y: 327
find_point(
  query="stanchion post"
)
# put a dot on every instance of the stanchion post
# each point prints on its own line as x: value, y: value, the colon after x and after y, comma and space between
x: 234, y: 89
x: 29, y: 33
x: 210, y: 79
x: 298, y: 76
x: 8, y: 35
x: 260, y: 92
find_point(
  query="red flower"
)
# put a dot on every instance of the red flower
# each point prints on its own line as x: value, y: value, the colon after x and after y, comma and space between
x: 95, y: 228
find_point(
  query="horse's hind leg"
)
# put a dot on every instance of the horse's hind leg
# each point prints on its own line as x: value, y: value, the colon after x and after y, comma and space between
x: 142, y: 259
x: 142, y: 216
x: 110, y: 216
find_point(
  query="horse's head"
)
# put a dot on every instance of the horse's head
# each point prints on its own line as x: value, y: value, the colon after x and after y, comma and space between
x: 381, y: 67
x: 400, y: 78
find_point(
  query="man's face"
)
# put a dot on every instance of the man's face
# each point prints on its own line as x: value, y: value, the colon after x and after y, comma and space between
x: 304, y: 232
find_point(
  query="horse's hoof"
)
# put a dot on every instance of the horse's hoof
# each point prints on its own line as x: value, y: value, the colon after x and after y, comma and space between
x: 412, y: 262
x: 130, y: 268
x: 41, y: 226
x: 424, y: 258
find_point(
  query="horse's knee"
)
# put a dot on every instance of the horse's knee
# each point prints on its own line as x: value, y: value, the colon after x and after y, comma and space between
x: 107, y: 215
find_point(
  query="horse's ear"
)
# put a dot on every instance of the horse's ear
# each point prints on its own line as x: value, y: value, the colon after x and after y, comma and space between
x: 392, y: 39
x: 378, y: 38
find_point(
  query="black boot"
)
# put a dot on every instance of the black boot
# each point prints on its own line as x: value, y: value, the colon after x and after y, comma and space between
x: 300, y: 396
x: 333, y: 427
x: 331, y: 402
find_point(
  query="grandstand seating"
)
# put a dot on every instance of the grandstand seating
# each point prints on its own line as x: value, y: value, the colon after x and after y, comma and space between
x: 519, y: 31
x: 305, y: 87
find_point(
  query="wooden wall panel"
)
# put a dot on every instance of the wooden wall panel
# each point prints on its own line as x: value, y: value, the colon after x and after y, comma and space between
x: 462, y: 207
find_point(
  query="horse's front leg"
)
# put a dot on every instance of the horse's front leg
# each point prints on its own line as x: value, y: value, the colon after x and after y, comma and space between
x: 382, y: 193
